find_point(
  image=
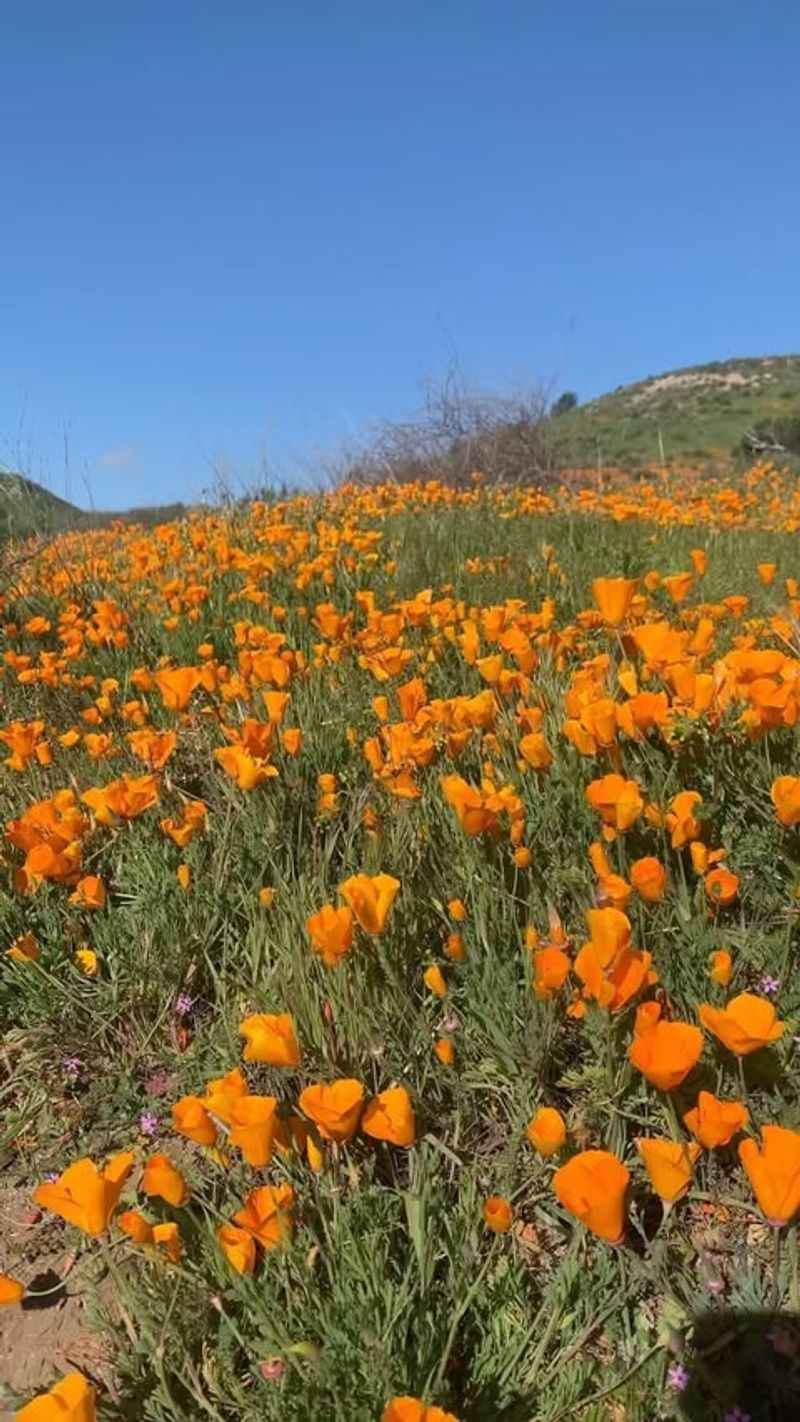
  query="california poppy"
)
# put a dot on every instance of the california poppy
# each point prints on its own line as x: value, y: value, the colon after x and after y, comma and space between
x: 773, y: 1168
x: 191, y: 1119
x: 613, y: 597
x: 746, y: 1024
x: 239, y: 1248
x: 390, y: 1117
x: 267, y: 1214
x: 669, y: 1166
x: 785, y: 795
x: 721, y: 969
x: 11, y: 1290
x: 551, y: 968
x: 270, y: 1039
x: 72, y: 1399
x: 335, y: 1109
x: 331, y: 933
x: 713, y: 1122
x: 497, y: 1214
x: 410, y: 1409
x: 649, y: 878
x: 370, y: 897
x: 84, y: 1195
x: 721, y: 886
x: 253, y: 1125
x: 162, y: 1178
x: 592, y: 1186
x: 665, y: 1052
x: 547, y: 1131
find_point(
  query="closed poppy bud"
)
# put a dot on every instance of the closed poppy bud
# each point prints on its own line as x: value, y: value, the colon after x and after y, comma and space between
x: 315, y: 1155
x: 669, y: 1166
x: 11, y: 1290
x: 547, y: 1131
x: 592, y: 1186
x: 445, y: 1051
x: 665, y: 1053
x: 167, y: 1236
x: 390, y: 1117
x: 335, y: 1109
x: 456, y: 910
x: 162, y: 1178
x: 785, y: 795
x: 253, y: 1125
x: 434, y: 980
x: 410, y: 1409
x: 239, y: 1248
x: 137, y: 1228
x: 497, y: 1214
x: 72, y: 1399
x: 266, y: 896
x: 370, y: 897
x: 721, y: 967
x: 184, y: 875
x: 766, y: 572
x: 191, y: 1119
x: 455, y: 948
x: 292, y: 740
x: 24, y: 949
x: 613, y: 596
x: 649, y: 878
x: 270, y: 1039
x: 773, y: 1169
x: 715, y: 1123
x: 522, y: 857
x: 746, y: 1024
x: 721, y: 887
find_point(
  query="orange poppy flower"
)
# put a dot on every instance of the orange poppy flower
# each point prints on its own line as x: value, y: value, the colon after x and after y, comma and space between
x: 613, y: 597
x: 167, y: 1235
x: 474, y: 815
x: 370, y: 897
x: 89, y: 893
x: 335, y: 1109
x: 721, y: 887
x: 456, y: 910
x: 616, y: 800
x: 669, y: 1166
x: 24, y: 949
x: 721, y: 969
x: 410, y: 1409
x: 715, y: 1123
x: 665, y: 1052
x: 445, y: 1051
x: 162, y: 1178
x: 134, y: 1224
x: 390, y: 1117
x: 270, y: 1039
x: 547, y: 1131
x: 85, y: 1196
x: 649, y: 878
x: 592, y: 1186
x: 785, y: 794
x: 72, y: 1399
x: 744, y: 1025
x: 331, y: 933
x: 498, y: 1215
x: 551, y: 967
x: 176, y: 685
x: 267, y: 1214
x: 191, y: 1119
x: 253, y: 1124
x: 239, y: 1248
x: 11, y: 1290
x: 773, y: 1169
x: 680, y: 819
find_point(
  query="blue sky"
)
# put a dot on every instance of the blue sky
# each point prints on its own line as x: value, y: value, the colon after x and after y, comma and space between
x: 255, y: 228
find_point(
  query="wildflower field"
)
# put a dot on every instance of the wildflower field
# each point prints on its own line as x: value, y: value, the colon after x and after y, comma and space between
x: 399, y: 894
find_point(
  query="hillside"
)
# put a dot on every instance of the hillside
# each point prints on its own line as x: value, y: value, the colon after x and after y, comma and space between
x: 26, y: 508
x: 701, y: 412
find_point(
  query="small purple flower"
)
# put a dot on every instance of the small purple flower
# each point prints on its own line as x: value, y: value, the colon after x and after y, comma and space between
x: 148, y: 1123
x: 678, y: 1377
x: 736, y: 1414
x: 769, y: 985
x: 71, y: 1066
x: 183, y: 1004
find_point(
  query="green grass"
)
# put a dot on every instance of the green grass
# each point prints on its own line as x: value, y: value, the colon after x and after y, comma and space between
x: 392, y: 1284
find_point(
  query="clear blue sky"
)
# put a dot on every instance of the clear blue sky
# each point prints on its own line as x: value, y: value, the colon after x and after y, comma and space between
x: 230, y: 228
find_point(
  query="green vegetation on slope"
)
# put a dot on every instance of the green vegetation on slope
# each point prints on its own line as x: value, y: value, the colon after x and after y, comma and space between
x: 699, y: 413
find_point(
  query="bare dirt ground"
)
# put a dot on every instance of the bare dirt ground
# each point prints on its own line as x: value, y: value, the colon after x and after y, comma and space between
x: 47, y: 1335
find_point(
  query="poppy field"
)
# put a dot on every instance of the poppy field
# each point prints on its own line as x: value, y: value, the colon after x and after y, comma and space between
x: 399, y: 897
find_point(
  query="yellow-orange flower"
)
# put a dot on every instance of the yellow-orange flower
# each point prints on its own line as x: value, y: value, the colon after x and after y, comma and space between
x: 592, y: 1186
x: 746, y: 1024
x: 331, y: 933
x: 85, y: 1196
x: 785, y: 795
x: 162, y: 1178
x: 410, y: 1409
x: 715, y: 1123
x: 335, y: 1109
x: 773, y: 1169
x: 267, y: 1214
x: 389, y: 1116
x: 665, y: 1052
x: 669, y: 1165
x: 547, y: 1131
x: 72, y: 1399
x: 270, y: 1039
x: 498, y: 1215
x: 370, y: 897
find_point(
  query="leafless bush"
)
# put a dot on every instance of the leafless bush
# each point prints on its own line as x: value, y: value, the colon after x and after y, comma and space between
x: 459, y: 431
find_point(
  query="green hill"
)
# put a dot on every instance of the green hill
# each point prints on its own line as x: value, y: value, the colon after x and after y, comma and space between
x: 699, y: 413
x: 26, y: 509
